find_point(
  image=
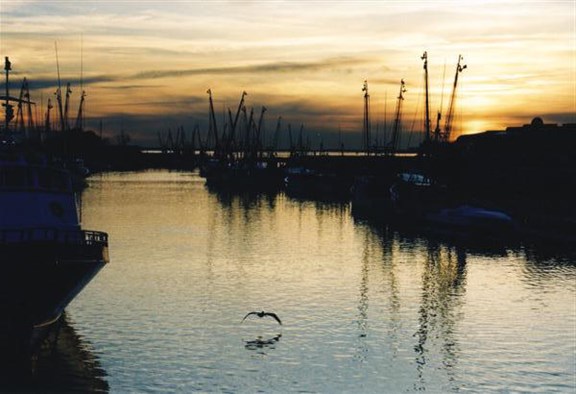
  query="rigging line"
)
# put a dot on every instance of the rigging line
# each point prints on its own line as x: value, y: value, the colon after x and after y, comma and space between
x: 81, y: 62
x: 385, y: 130
x: 459, y: 115
x: 41, y: 106
x: 443, y: 84
x: 57, y: 64
x: 82, y: 95
x: 415, y: 115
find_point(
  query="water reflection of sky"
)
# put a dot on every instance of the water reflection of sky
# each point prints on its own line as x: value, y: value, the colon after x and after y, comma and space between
x: 364, y: 307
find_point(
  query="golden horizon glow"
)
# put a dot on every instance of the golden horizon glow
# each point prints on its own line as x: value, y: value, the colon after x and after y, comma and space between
x: 150, y: 65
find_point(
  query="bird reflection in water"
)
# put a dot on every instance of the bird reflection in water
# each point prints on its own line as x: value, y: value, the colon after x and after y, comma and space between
x: 261, y: 343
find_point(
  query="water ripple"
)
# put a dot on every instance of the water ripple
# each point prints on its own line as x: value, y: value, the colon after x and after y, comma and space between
x: 364, y: 309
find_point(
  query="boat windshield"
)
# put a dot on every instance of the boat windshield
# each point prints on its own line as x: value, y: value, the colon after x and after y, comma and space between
x: 52, y: 179
x: 16, y: 177
x: 32, y: 178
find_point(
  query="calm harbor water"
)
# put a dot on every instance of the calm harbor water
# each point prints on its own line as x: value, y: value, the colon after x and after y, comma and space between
x: 365, y: 308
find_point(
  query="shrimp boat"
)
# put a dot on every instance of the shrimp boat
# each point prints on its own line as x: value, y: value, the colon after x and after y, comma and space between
x: 46, y: 258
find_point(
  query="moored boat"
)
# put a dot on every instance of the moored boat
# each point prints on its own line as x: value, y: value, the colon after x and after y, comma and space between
x: 468, y: 220
x: 46, y: 257
x: 414, y: 195
x: 314, y: 183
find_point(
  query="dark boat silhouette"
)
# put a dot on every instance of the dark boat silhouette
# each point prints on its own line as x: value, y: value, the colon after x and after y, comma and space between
x: 46, y: 257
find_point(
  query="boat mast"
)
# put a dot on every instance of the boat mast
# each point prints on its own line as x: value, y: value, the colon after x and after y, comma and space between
x: 28, y: 102
x: 213, y: 128
x: 79, y: 126
x: 47, y: 125
x: 240, y: 104
x: 385, y: 129
x: 427, y: 121
x: 258, y: 138
x: 397, y: 120
x: 66, y: 106
x: 276, y: 135
x: 9, y: 111
x: 20, y: 112
x: 58, y: 92
x: 301, y: 147
x: 233, y: 143
x: 450, y: 114
x: 366, y: 129
x: 249, y: 133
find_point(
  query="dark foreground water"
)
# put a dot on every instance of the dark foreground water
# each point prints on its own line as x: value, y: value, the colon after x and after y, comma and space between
x: 365, y: 309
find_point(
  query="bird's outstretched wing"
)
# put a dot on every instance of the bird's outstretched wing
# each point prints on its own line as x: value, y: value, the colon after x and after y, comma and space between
x: 248, y: 314
x: 273, y: 315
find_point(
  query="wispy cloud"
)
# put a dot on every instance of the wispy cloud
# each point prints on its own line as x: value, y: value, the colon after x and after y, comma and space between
x: 52, y: 83
x: 333, y: 64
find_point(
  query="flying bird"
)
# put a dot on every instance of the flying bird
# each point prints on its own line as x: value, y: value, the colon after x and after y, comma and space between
x: 263, y: 314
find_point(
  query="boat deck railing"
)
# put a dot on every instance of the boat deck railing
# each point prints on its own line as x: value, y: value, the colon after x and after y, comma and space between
x: 62, y: 236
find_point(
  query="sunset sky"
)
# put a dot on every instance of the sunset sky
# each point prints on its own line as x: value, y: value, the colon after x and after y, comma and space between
x: 146, y: 65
